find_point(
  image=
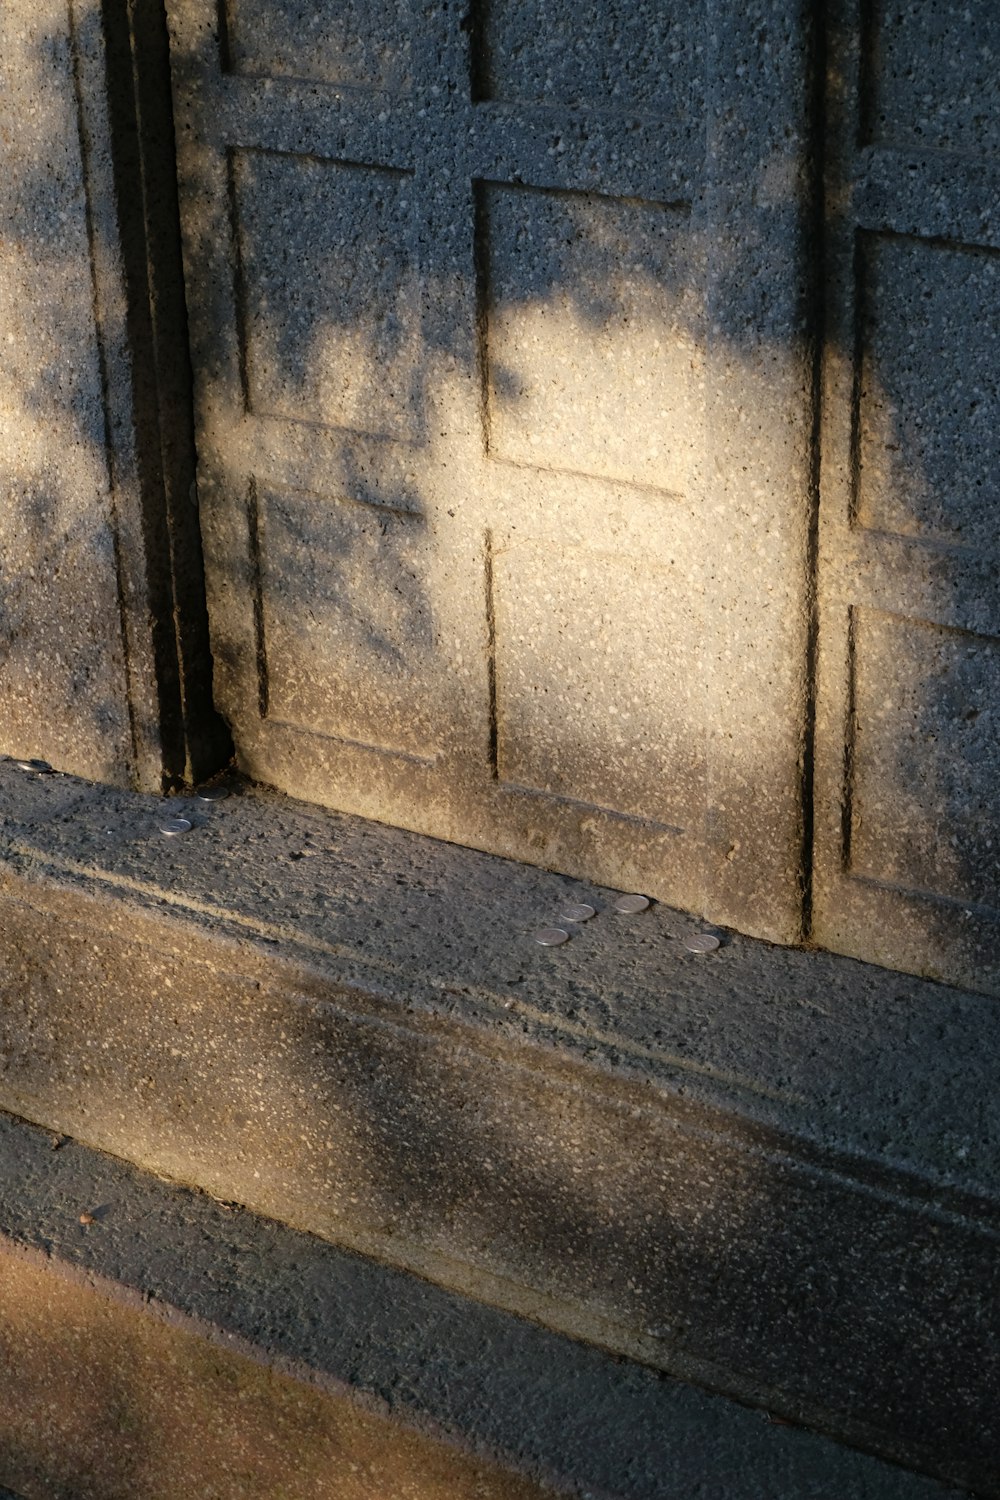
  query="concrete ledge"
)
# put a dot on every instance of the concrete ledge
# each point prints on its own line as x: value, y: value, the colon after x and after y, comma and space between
x: 770, y: 1172
x: 173, y: 1345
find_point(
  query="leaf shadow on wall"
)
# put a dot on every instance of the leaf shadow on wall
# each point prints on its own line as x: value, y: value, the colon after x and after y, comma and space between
x: 420, y: 1130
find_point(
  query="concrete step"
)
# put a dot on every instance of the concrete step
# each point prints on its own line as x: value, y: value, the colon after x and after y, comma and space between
x: 158, y: 1344
x: 770, y: 1173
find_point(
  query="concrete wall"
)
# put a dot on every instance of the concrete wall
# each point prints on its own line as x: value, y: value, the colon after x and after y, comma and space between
x: 503, y: 419
x: 104, y: 669
x: 908, y: 795
x: 596, y: 415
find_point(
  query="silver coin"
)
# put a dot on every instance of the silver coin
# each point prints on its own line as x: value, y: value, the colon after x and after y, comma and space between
x: 42, y: 767
x: 552, y: 937
x: 701, y: 942
x: 213, y: 794
x: 629, y: 904
x: 172, y: 826
x: 581, y: 913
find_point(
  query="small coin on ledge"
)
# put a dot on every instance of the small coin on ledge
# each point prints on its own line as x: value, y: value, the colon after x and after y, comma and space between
x: 552, y: 937
x: 627, y: 905
x: 41, y: 767
x: 173, y: 826
x: 578, y: 913
x: 213, y: 794
x: 701, y: 942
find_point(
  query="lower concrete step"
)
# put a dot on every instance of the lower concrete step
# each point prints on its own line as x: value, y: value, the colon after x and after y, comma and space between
x: 156, y: 1344
x: 773, y: 1174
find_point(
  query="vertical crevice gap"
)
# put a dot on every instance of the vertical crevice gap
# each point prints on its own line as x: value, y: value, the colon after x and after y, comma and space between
x: 110, y: 457
x: 476, y: 23
x: 239, y: 279
x: 130, y: 195
x: 869, y: 70
x: 257, y: 593
x: 491, y: 662
x: 481, y: 243
x: 850, y: 738
x: 859, y: 317
x: 195, y: 741
x: 816, y: 20
x: 224, y: 30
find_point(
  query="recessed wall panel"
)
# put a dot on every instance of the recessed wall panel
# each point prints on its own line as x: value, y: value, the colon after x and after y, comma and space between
x: 328, y: 297
x: 488, y: 302
x: 593, y: 312
x: 348, y: 624
x: 929, y: 401
x: 596, y: 688
x: 363, y: 42
x: 647, y: 58
x: 934, y: 75
x: 925, y: 795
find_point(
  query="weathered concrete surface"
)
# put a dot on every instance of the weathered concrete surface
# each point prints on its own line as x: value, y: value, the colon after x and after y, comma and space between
x: 174, y: 1345
x: 907, y: 802
x: 100, y: 574
x: 66, y: 591
x: 773, y: 1171
x: 503, y: 412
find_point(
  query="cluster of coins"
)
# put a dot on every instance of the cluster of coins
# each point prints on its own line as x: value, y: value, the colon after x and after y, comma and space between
x: 548, y: 937
x: 172, y: 827
x: 626, y: 906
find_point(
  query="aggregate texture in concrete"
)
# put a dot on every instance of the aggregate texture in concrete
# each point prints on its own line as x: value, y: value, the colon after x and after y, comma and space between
x: 64, y: 611
x: 103, y: 633
x: 907, y: 791
x: 503, y: 405
x: 158, y: 1343
x: 771, y: 1171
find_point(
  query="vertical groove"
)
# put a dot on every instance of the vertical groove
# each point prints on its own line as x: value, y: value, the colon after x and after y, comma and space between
x: 850, y: 737
x: 202, y: 741
x: 868, y: 72
x: 817, y: 20
x: 481, y: 233
x: 257, y: 592
x: 491, y: 662
x: 111, y: 464
x: 148, y: 417
x: 475, y: 23
x: 131, y: 196
x: 225, y: 36
x: 858, y: 319
x: 855, y: 268
x: 239, y: 280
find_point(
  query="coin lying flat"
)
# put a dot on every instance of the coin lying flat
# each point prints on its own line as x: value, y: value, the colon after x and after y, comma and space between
x: 552, y: 937
x: 213, y: 794
x: 580, y: 913
x: 172, y: 826
x: 629, y: 904
x: 701, y: 942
